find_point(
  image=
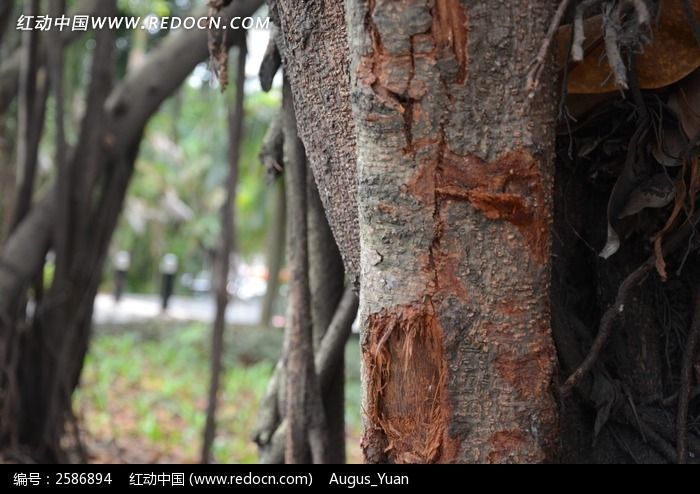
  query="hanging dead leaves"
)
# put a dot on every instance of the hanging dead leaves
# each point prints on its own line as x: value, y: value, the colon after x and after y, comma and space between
x: 630, y: 69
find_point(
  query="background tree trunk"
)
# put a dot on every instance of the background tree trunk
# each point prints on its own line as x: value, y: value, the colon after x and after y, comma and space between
x: 327, y: 281
x: 306, y: 432
x: 275, y: 251
x: 455, y: 170
x: 42, y: 356
x: 223, y: 261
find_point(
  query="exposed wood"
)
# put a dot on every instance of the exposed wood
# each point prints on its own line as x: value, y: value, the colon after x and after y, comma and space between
x: 455, y: 168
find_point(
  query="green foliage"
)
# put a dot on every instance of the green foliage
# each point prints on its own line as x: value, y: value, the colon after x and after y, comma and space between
x: 145, y: 386
x: 151, y: 386
x: 175, y: 196
x: 179, y: 187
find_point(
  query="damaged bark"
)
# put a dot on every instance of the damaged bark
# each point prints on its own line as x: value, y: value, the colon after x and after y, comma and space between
x: 455, y: 166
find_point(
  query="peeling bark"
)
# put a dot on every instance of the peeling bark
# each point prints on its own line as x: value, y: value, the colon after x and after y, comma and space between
x: 455, y: 171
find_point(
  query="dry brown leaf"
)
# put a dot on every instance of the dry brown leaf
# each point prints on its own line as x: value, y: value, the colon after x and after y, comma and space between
x: 673, y: 53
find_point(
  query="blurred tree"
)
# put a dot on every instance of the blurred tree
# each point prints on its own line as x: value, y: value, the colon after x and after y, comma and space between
x: 42, y: 346
x: 177, y: 190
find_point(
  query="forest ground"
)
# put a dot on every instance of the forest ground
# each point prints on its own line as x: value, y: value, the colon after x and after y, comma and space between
x: 143, y: 392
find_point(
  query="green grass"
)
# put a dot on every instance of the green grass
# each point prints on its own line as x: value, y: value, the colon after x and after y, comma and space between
x: 145, y: 387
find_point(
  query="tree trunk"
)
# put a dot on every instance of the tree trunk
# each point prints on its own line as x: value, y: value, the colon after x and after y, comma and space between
x: 30, y: 119
x: 223, y: 261
x: 42, y: 357
x: 455, y: 170
x: 314, y: 47
x: 326, y: 279
x: 306, y: 431
x: 275, y: 250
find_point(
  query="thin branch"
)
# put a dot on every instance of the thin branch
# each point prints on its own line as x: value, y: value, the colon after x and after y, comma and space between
x: 304, y: 406
x: 577, y: 52
x: 10, y: 68
x: 128, y: 108
x: 617, y: 309
x: 612, y: 49
x: 236, y: 118
x: 643, y: 17
x: 267, y: 435
x: 533, y: 77
x: 30, y: 119
x: 606, y: 325
x: 271, y: 150
x: 61, y: 226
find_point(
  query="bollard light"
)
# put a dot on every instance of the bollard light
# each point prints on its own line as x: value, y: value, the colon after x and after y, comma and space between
x: 122, y: 263
x: 168, y: 269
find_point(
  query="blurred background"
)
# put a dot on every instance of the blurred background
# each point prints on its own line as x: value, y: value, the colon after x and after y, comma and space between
x: 142, y: 395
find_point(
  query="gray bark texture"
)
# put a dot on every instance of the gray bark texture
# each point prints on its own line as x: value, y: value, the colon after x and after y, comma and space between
x: 313, y: 43
x: 306, y: 433
x: 327, y: 281
x: 455, y: 167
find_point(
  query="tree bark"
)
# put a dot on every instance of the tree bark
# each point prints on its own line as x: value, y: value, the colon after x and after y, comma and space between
x: 128, y: 109
x: 455, y: 169
x: 10, y: 67
x: 313, y: 43
x: 271, y: 428
x: 326, y: 279
x: 305, y: 416
x: 275, y: 251
x: 30, y: 119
